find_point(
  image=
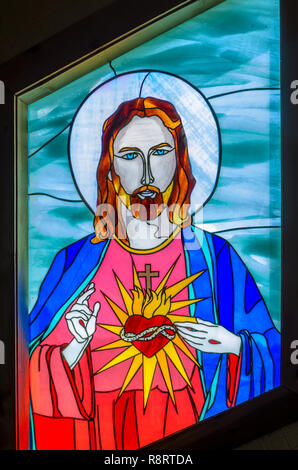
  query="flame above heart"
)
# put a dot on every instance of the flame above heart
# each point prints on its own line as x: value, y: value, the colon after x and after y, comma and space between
x: 149, y: 315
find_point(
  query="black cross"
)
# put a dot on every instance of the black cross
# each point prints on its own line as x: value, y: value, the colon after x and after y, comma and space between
x: 148, y: 274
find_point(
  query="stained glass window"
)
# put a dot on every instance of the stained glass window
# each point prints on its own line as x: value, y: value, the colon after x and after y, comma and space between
x: 154, y: 235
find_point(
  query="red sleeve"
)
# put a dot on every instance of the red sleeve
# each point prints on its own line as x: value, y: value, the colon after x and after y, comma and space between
x: 233, y: 376
x: 82, y: 385
x: 57, y: 391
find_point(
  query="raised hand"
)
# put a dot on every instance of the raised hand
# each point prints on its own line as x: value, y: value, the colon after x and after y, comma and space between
x: 81, y: 322
x: 209, y: 337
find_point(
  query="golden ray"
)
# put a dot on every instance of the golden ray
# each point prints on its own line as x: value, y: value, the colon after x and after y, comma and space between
x: 170, y: 350
x: 113, y: 328
x: 136, y: 280
x: 180, y: 344
x: 179, y: 286
x: 125, y: 296
x: 165, y: 279
x: 149, y: 366
x: 122, y: 316
x: 183, y: 303
x: 127, y: 354
x: 116, y: 344
x: 164, y: 367
x: 181, y: 318
x: 135, y: 365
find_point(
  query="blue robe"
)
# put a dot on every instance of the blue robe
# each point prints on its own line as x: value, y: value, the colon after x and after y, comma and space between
x: 232, y: 299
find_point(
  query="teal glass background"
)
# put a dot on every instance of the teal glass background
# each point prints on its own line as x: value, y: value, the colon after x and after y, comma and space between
x: 230, y: 53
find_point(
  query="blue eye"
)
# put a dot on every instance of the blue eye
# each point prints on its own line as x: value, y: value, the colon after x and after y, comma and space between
x: 130, y: 156
x: 160, y: 152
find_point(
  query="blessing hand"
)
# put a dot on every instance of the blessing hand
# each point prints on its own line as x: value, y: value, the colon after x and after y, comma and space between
x: 81, y: 322
x: 209, y: 337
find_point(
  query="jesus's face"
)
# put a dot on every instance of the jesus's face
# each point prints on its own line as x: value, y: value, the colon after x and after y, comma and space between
x: 144, y: 157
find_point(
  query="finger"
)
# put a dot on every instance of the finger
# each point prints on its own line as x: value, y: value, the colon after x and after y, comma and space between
x: 91, y: 286
x: 188, y: 326
x: 194, y: 339
x: 191, y: 329
x: 96, y: 309
x: 206, y: 323
x: 192, y: 334
x: 91, y: 325
x: 83, y: 308
x: 76, y: 314
x: 85, y: 296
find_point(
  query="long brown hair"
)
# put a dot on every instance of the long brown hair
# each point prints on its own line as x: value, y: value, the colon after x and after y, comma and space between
x: 107, y: 220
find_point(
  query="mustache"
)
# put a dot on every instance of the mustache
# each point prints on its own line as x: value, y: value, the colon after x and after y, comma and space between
x: 146, y: 187
x: 150, y: 206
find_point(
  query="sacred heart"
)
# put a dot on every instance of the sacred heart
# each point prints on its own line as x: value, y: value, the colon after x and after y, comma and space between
x: 150, y: 342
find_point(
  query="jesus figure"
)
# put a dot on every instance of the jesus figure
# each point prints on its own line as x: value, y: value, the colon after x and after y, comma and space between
x: 149, y: 324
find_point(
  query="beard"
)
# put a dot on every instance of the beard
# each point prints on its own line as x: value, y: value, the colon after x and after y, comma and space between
x: 147, y: 203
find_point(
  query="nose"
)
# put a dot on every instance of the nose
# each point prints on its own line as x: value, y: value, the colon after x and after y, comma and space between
x: 147, y: 177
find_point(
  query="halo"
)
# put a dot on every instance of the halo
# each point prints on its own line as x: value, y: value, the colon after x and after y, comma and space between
x: 198, y: 119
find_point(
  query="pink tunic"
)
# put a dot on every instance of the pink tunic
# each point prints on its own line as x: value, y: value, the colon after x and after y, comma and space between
x: 82, y: 394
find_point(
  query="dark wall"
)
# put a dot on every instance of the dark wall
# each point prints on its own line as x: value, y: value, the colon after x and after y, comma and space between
x: 25, y: 23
